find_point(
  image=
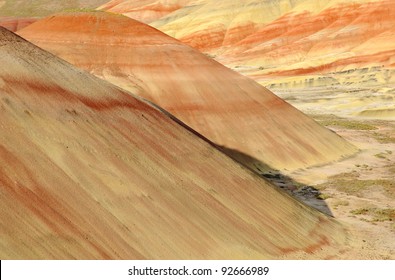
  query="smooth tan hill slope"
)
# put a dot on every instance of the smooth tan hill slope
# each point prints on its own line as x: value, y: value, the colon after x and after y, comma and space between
x: 88, y: 171
x: 231, y: 110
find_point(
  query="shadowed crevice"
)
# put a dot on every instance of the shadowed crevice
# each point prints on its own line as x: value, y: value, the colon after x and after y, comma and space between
x: 302, y: 192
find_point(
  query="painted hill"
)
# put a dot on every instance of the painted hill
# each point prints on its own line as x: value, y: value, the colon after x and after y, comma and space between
x: 336, y: 38
x: 15, y: 15
x: 231, y: 110
x: 40, y: 8
x: 215, y: 24
x: 341, y: 50
x: 88, y: 171
x: 147, y: 10
x: 284, y: 34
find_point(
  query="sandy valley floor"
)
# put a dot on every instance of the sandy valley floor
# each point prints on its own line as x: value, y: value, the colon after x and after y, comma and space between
x: 358, y: 191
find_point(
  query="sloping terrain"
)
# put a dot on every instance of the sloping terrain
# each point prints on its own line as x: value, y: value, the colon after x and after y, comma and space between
x: 307, y: 35
x: 215, y: 24
x: 344, y: 47
x: 14, y: 23
x: 15, y: 15
x: 147, y: 10
x: 40, y: 8
x: 231, y: 110
x: 340, y: 37
x: 88, y: 171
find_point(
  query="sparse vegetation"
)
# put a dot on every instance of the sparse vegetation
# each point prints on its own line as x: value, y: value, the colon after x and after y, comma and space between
x: 323, y: 196
x: 348, y: 124
x: 360, y: 211
x: 383, y: 138
x: 332, y: 120
x: 376, y: 214
x: 391, y: 169
x: 380, y: 155
x: 338, y: 203
x: 351, y: 185
x: 345, y: 175
x: 363, y: 166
